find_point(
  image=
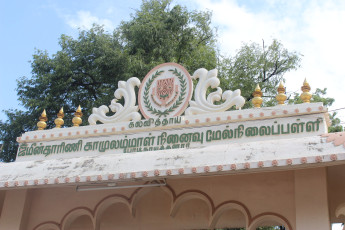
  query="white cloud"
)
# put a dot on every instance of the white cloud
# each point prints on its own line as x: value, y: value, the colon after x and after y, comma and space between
x: 313, y: 28
x: 85, y: 20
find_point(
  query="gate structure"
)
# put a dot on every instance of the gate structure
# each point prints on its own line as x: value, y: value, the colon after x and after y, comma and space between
x: 190, y: 163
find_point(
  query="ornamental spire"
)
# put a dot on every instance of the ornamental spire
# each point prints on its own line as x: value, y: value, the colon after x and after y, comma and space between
x: 59, y: 121
x: 281, y: 97
x: 77, y: 117
x: 257, y: 100
x: 42, y: 123
x: 306, y: 95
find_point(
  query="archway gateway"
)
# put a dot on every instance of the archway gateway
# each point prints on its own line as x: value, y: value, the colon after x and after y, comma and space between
x: 190, y: 164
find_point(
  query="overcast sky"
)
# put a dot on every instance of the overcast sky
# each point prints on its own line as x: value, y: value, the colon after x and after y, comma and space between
x: 313, y: 28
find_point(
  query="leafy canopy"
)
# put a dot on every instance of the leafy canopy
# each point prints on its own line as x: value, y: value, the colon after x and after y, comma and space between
x: 257, y: 64
x: 86, y: 70
x: 320, y: 96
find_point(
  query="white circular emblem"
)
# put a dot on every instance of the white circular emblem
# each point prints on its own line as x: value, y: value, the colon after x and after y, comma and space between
x: 165, y: 91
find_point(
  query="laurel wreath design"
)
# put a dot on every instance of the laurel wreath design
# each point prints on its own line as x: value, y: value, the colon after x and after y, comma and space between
x: 178, y: 102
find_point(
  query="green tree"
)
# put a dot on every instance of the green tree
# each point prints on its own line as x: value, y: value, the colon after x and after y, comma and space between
x: 335, y: 125
x: 86, y: 70
x: 158, y: 33
x: 320, y: 96
x: 16, y: 124
x: 257, y: 64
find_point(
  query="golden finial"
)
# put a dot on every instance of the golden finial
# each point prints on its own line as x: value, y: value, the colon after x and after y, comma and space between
x: 281, y: 97
x: 306, y: 95
x: 59, y: 121
x: 77, y: 117
x: 42, y: 123
x: 257, y: 100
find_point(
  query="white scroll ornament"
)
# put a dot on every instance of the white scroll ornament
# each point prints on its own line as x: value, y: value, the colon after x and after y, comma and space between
x: 201, y: 105
x: 127, y: 112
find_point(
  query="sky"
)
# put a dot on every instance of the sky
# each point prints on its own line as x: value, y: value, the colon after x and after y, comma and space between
x: 313, y: 28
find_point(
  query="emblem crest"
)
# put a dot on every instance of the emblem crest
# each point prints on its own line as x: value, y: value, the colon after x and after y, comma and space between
x: 165, y: 91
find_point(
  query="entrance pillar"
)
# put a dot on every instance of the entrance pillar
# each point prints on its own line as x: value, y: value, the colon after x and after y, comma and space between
x: 14, y: 210
x: 311, y: 202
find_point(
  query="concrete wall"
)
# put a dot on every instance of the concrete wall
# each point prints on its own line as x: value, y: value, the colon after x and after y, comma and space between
x: 311, y: 199
x: 336, y: 193
x: 296, y: 199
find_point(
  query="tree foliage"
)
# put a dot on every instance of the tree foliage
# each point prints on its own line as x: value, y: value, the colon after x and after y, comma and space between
x: 16, y: 124
x: 257, y: 64
x: 158, y: 33
x: 86, y: 69
x: 320, y: 96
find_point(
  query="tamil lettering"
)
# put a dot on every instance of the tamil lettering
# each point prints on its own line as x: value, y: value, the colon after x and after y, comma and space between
x: 189, y: 137
x: 40, y: 149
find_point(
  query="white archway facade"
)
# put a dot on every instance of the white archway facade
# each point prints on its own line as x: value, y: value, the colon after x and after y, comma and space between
x: 210, y: 168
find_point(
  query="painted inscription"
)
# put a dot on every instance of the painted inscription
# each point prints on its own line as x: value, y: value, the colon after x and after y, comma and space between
x: 173, y: 139
x: 155, y: 122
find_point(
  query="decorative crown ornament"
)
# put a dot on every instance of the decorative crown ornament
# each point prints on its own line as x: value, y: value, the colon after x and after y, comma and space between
x: 59, y: 121
x: 281, y: 97
x: 166, y: 91
x: 42, y: 123
x: 306, y: 95
x: 257, y: 94
x: 77, y: 117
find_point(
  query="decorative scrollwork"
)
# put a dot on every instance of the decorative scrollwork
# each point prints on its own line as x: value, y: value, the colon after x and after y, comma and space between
x: 127, y: 112
x: 202, y: 105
